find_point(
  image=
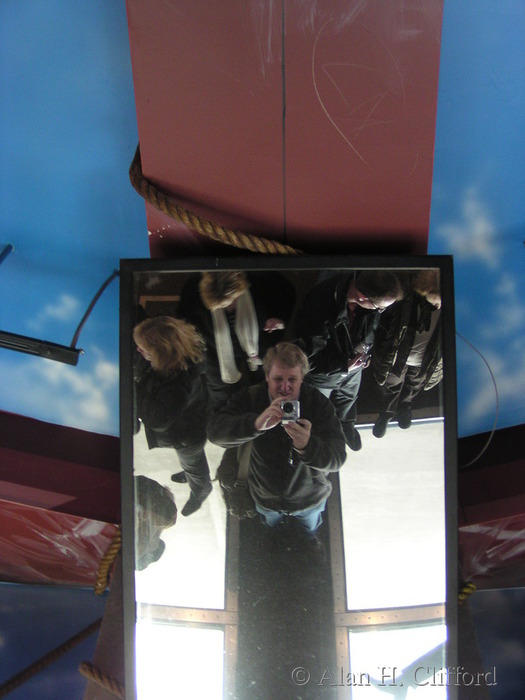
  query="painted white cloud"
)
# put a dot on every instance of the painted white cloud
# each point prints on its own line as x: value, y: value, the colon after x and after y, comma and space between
x: 507, y: 313
x: 474, y: 236
x: 497, y: 332
x: 80, y: 393
x: 107, y: 373
x: 508, y: 368
x: 65, y: 309
x: 85, y: 396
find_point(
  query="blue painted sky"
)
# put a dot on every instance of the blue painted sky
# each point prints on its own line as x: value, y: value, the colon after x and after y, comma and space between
x: 478, y: 203
x: 67, y: 136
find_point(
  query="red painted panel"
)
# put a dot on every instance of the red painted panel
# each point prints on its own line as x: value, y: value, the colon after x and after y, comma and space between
x: 492, y: 484
x: 58, y: 441
x: 361, y: 95
x: 41, y: 546
x: 319, y: 134
x: 492, y: 508
x: 492, y: 553
x: 31, y: 496
x: 52, y: 466
x: 59, y: 484
x: 207, y: 80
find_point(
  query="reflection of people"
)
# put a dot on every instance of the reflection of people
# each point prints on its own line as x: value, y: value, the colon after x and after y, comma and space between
x: 171, y: 397
x: 336, y: 326
x: 289, y: 461
x: 407, y: 351
x: 156, y: 511
x: 239, y: 316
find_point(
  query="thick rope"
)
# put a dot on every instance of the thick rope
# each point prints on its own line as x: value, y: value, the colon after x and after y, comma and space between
x: 107, y: 562
x: 194, y: 222
x: 20, y: 678
x: 94, y: 674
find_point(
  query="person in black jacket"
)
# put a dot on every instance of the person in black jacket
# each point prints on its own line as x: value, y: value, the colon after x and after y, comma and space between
x: 289, y: 461
x: 170, y: 397
x: 407, y: 354
x: 336, y: 327
x: 239, y: 315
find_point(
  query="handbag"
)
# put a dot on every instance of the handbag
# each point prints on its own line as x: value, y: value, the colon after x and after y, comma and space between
x: 232, y: 475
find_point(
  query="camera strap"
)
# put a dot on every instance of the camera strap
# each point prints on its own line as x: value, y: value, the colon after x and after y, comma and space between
x: 244, y: 452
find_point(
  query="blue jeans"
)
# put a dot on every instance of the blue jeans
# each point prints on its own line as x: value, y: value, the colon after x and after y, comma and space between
x: 310, y: 518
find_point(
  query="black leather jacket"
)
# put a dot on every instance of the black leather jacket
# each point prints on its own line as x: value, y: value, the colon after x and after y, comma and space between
x: 173, y: 408
x: 326, y: 333
x: 395, y: 337
x: 280, y: 478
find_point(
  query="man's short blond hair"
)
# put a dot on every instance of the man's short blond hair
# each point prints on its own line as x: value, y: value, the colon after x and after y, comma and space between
x: 288, y: 355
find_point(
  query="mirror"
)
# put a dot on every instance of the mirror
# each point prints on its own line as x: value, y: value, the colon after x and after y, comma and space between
x: 339, y: 580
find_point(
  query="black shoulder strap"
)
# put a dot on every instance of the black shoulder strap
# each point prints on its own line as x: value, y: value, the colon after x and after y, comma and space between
x: 245, y: 451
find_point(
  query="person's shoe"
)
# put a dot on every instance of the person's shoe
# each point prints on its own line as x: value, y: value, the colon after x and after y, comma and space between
x: 195, y: 502
x: 352, y: 437
x: 404, y: 418
x: 379, y: 428
x: 179, y: 478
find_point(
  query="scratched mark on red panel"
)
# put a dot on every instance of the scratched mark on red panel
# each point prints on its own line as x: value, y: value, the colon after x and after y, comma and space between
x: 325, y: 110
x: 262, y: 18
x: 366, y: 91
x: 360, y: 116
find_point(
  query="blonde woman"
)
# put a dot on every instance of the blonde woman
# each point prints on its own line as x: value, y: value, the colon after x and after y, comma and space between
x: 170, y: 396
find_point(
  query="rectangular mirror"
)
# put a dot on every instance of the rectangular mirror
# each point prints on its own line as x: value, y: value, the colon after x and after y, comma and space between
x: 320, y: 559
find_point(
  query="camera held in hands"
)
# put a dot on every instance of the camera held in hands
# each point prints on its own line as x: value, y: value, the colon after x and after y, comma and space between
x: 291, y: 411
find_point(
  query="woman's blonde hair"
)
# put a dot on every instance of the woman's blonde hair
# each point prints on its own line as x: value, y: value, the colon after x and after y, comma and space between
x: 216, y: 288
x: 173, y: 344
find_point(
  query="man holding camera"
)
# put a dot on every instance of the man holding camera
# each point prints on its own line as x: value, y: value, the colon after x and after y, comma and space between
x: 297, y: 439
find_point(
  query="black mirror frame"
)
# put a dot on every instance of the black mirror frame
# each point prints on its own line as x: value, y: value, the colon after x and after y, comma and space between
x: 128, y: 267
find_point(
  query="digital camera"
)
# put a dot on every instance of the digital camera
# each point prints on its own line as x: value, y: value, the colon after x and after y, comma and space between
x: 291, y: 411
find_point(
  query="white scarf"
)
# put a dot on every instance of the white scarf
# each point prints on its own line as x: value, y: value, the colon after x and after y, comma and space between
x: 246, y: 330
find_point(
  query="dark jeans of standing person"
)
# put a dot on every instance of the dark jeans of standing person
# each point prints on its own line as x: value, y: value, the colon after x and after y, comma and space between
x: 195, y: 464
x: 397, y: 394
x: 342, y: 390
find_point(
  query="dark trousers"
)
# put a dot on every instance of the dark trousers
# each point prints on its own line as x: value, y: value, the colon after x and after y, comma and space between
x: 399, y: 392
x: 195, y: 464
x: 342, y: 391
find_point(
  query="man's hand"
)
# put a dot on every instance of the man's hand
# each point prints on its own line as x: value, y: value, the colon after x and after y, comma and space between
x: 273, y: 324
x: 299, y: 432
x: 359, y: 361
x: 270, y: 417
